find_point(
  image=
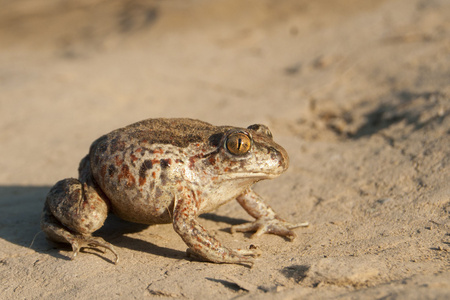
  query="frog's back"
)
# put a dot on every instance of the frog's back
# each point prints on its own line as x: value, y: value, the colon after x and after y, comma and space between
x: 178, y: 132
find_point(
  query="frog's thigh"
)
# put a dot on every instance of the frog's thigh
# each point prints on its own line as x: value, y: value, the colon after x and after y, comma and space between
x: 72, y: 211
x: 74, y: 206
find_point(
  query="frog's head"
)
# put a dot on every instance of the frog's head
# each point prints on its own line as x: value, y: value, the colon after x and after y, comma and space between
x: 248, y: 153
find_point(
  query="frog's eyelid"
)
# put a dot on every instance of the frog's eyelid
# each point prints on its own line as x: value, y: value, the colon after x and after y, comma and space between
x: 227, y: 134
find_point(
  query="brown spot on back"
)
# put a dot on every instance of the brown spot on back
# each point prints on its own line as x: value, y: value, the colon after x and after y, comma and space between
x: 117, y: 145
x: 102, y: 148
x: 165, y: 163
x: 133, y: 157
x: 146, y: 165
x: 192, y: 162
x: 158, y: 151
x: 119, y: 161
x: 111, y: 170
x: 125, y: 174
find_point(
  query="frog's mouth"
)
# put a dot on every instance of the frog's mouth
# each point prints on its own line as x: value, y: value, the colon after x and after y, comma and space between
x: 252, y: 176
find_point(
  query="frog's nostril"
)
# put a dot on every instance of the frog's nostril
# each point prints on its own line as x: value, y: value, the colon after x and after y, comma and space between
x: 275, y: 154
x: 279, y: 155
x: 272, y: 150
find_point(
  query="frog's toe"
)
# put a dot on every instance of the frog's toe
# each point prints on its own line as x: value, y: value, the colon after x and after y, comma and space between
x: 292, y: 226
x: 248, y: 252
x: 237, y: 256
x: 281, y: 231
x: 283, y: 228
x: 273, y: 226
x: 246, y: 227
x: 91, y: 242
x: 243, y: 257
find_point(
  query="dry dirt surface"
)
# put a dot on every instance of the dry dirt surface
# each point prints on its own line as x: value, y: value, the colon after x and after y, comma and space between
x: 358, y: 92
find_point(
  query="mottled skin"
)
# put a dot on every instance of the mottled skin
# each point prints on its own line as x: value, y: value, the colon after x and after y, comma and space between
x: 169, y: 171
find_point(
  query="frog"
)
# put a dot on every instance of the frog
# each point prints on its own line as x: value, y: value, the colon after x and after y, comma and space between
x: 170, y: 170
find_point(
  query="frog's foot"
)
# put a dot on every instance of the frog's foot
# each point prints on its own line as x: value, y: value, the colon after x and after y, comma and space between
x: 201, y: 244
x: 56, y: 232
x: 237, y: 256
x: 269, y: 225
x: 79, y: 242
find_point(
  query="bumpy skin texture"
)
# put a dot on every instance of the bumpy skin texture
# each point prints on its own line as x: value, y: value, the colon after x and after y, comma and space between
x: 169, y: 171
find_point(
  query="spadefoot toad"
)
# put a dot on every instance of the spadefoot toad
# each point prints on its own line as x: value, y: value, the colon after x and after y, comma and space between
x: 169, y: 171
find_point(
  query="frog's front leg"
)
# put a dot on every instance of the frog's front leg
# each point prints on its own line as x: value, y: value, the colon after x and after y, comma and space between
x: 267, y: 221
x: 200, y: 242
x: 72, y: 211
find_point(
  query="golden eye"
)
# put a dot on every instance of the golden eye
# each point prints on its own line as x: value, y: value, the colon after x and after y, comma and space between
x: 238, y: 143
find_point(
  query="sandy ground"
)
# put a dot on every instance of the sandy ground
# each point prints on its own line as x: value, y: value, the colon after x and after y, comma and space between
x: 358, y: 92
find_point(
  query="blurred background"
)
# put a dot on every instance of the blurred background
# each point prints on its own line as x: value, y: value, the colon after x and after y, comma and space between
x: 356, y: 91
x: 73, y: 70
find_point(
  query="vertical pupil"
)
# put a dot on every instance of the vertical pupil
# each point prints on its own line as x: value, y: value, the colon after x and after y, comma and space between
x: 239, y: 143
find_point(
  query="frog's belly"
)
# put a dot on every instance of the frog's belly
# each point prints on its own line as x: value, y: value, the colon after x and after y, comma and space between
x: 141, y: 209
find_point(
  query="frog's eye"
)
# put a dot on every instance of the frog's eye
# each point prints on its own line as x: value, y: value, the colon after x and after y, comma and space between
x: 238, y: 143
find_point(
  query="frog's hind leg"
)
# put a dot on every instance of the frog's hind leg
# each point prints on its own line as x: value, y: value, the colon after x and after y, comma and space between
x: 72, y: 211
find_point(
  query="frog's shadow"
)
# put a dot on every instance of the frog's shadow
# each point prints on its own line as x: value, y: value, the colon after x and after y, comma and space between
x: 115, y: 230
x: 20, y: 212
